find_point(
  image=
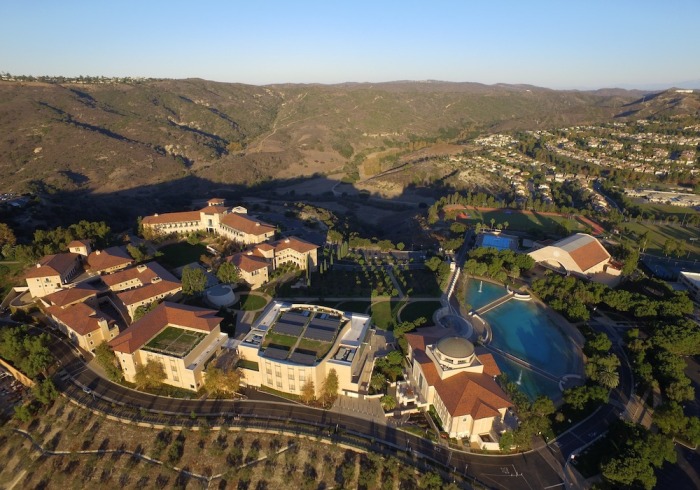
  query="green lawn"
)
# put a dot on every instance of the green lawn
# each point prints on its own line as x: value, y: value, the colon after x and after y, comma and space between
x: 666, y: 209
x: 251, y: 365
x: 179, y: 254
x: 521, y: 221
x: 9, y: 276
x: 175, y: 341
x: 384, y: 313
x: 320, y: 348
x: 354, y: 306
x: 658, y: 234
x: 278, y: 339
x: 419, y: 309
x: 250, y: 302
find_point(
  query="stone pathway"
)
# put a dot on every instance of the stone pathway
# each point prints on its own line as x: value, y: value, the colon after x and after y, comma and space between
x: 369, y: 408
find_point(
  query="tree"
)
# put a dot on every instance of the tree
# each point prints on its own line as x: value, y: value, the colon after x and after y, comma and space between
x: 106, y: 358
x: 45, y: 391
x: 7, y: 236
x: 141, y: 311
x: 193, y: 281
x: 308, y: 392
x: 329, y: 389
x: 507, y: 440
x: 139, y: 254
x: 149, y: 375
x: 228, y: 273
x: 378, y: 382
x: 600, y: 343
x: 388, y: 403
x: 217, y: 381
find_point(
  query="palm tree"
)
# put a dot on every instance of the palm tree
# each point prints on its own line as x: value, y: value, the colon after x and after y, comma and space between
x: 505, y: 225
x: 608, y: 378
x: 493, y: 221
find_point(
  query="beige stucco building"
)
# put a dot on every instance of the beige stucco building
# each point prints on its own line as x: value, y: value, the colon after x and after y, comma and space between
x: 53, y: 272
x: 579, y: 254
x: 76, y: 312
x: 183, y: 339
x: 446, y: 372
x: 256, y: 263
x: 141, y: 286
x: 233, y: 223
x: 321, y: 339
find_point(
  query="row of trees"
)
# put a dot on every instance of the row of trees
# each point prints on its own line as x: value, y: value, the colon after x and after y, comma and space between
x: 329, y: 390
x: 498, y: 265
x: 46, y: 242
x: 27, y: 352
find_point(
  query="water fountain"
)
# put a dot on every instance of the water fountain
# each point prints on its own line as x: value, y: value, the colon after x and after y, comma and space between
x: 481, y: 284
x: 520, y: 378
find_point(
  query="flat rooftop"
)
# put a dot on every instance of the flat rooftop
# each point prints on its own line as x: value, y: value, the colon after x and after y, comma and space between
x: 305, y: 334
x: 174, y: 341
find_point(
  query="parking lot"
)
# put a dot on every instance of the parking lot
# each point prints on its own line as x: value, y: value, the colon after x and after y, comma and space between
x: 12, y: 393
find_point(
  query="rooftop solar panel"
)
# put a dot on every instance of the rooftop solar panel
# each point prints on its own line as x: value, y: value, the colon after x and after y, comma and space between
x: 276, y: 353
x: 289, y: 328
x: 294, y: 318
x: 317, y: 322
x: 319, y: 334
x: 301, y: 358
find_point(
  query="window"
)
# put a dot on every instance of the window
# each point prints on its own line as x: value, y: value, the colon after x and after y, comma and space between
x: 279, y: 384
x: 292, y: 387
x: 269, y: 380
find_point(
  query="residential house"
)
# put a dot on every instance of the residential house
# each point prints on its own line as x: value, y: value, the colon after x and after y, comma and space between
x: 52, y: 272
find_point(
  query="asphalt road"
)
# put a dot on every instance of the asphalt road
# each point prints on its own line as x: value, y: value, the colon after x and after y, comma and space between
x: 523, y: 471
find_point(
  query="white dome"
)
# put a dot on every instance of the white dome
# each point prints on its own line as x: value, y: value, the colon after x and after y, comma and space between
x: 221, y: 295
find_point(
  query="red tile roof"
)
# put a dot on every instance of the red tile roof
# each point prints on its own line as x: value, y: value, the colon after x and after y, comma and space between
x: 475, y: 394
x: 166, y: 314
x: 465, y: 393
x: 53, y: 265
x: 247, y: 225
x: 247, y: 263
x: 159, y: 219
x: 214, y: 210
x: 80, y: 317
x: 65, y: 297
x: 295, y: 244
x: 589, y: 255
x: 101, y: 260
x: 148, y: 291
x: 79, y: 243
x: 145, y: 273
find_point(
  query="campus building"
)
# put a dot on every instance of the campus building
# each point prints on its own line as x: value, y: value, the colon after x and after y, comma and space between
x: 77, y: 313
x: 183, y: 339
x: 109, y: 260
x: 141, y: 286
x: 292, y: 345
x: 446, y: 372
x: 691, y: 280
x: 52, y: 272
x: 579, y: 254
x: 233, y: 223
x: 255, y: 264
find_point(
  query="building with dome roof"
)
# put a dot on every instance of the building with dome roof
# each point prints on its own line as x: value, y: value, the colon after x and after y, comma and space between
x: 448, y: 372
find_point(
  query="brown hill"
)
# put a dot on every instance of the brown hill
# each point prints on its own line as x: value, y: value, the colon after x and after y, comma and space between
x: 111, y: 137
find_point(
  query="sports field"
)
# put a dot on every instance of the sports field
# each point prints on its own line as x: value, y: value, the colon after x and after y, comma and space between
x: 689, y: 237
x: 176, y: 342
x: 513, y: 219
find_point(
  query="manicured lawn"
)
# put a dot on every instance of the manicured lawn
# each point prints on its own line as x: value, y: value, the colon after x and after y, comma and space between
x: 250, y: 302
x: 354, y: 306
x: 384, y: 313
x: 521, y: 221
x: 179, y: 254
x: 659, y: 233
x: 320, y: 348
x: 278, y: 339
x: 252, y: 365
x: 419, y: 309
x: 422, y: 283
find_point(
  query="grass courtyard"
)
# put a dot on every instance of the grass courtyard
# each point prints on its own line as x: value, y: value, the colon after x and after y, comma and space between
x: 384, y: 313
x: 182, y: 253
x: 250, y: 302
x: 424, y: 309
x: 175, y: 341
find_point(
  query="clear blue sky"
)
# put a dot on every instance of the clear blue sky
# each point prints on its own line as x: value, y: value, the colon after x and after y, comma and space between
x: 558, y: 44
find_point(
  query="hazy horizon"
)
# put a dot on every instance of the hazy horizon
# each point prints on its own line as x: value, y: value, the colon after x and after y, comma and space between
x: 558, y: 46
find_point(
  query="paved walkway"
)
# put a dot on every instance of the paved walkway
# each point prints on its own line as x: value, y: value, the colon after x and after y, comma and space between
x: 368, y: 409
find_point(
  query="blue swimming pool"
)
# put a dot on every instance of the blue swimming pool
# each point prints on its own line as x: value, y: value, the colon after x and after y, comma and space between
x: 480, y: 293
x: 495, y: 241
x: 522, y: 329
